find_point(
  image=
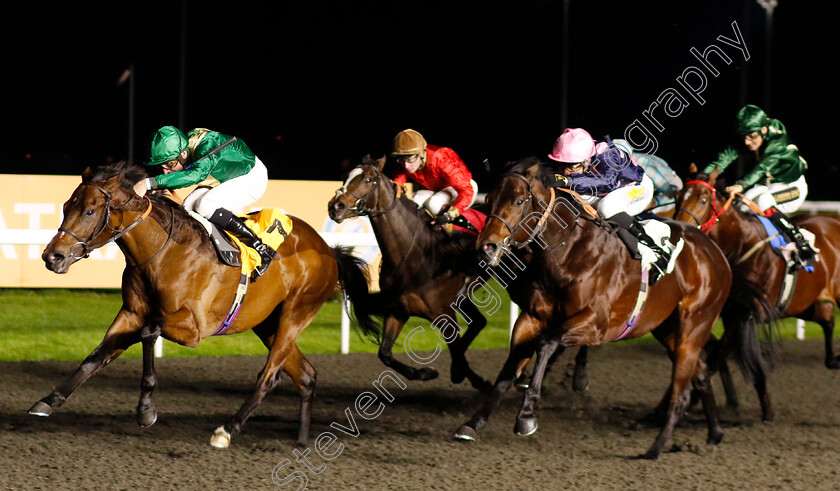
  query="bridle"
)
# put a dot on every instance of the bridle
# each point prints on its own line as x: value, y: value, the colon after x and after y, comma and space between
x: 716, y: 213
x: 102, y: 224
x: 361, y: 201
x: 526, y: 212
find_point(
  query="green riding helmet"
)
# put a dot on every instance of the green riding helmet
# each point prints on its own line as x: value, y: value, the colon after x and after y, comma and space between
x: 167, y: 143
x: 751, y: 118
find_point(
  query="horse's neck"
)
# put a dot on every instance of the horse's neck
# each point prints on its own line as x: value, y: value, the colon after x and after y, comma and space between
x: 398, y: 231
x: 735, y: 233
x: 148, y: 238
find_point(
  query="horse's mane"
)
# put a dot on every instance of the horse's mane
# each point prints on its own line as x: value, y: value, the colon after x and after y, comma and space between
x: 129, y: 175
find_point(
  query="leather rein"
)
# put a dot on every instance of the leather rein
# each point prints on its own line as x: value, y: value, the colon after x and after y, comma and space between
x: 103, y: 224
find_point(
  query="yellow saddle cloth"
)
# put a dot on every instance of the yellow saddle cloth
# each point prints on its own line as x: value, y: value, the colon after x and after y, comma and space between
x: 271, y: 226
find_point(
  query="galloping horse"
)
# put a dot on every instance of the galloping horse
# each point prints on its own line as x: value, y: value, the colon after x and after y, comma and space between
x: 743, y: 240
x: 174, y: 286
x: 423, y: 272
x: 581, y: 287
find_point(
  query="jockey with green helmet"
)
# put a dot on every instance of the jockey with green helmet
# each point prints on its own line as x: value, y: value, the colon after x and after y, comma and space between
x: 776, y: 182
x: 227, y: 173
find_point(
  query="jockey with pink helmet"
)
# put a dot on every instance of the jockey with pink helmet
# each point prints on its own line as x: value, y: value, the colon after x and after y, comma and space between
x: 606, y: 175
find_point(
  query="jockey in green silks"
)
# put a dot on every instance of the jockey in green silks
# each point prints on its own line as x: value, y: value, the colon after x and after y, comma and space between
x: 226, y: 171
x: 776, y: 182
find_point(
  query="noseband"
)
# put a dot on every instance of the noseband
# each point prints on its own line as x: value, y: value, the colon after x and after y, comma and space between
x: 102, y: 224
x: 359, y: 206
x: 712, y: 221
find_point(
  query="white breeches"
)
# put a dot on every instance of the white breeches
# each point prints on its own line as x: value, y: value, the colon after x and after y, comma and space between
x: 233, y: 195
x: 434, y: 201
x: 629, y: 199
x: 787, y: 197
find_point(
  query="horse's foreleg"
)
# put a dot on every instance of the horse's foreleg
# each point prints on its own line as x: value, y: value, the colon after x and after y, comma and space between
x: 460, y: 368
x: 392, y: 327
x: 146, y: 414
x: 522, y: 348
x: 124, y: 332
x: 526, y: 420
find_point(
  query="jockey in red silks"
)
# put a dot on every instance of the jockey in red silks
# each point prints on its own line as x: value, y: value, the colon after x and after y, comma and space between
x: 449, y: 188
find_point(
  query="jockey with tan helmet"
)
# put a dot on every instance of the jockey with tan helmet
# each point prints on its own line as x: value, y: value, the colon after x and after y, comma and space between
x: 227, y: 172
x: 448, y: 185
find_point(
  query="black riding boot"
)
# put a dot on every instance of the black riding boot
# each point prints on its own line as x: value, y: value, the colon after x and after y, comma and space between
x: 637, y: 232
x: 792, y: 233
x: 228, y: 221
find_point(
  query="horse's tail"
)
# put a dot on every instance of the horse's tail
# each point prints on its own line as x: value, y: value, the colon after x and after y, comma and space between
x: 755, y: 321
x: 353, y: 276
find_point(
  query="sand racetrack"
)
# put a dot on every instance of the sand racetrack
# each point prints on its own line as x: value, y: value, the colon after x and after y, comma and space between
x: 584, y: 441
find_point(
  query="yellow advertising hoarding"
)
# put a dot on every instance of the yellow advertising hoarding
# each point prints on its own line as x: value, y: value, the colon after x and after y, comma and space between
x: 35, y: 203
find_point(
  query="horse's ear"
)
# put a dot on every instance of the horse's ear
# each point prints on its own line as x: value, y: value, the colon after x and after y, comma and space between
x: 532, y: 171
x: 87, y: 175
x: 692, y: 169
x: 366, y: 160
x: 380, y: 162
x: 713, y: 176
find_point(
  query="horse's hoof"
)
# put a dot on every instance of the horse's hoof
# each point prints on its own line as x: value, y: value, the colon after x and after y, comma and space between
x: 465, y: 433
x: 40, y: 409
x: 715, y: 438
x: 833, y: 365
x: 768, y: 417
x: 485, y: 387
x: 522, y: 382
x: 580, y: 384
x: 427, y: 373
x: 457, y: 376
x: 146, y: 418
x: 525, y: 426
x: 220, y: 438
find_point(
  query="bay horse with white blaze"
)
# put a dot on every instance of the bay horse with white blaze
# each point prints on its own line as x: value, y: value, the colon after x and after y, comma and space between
x: 424, y: 273
x: 174, y: 286
x: 581, y: 286
x: 743, y: 239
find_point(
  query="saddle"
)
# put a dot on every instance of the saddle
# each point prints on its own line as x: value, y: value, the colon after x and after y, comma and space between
x: 271, y: 226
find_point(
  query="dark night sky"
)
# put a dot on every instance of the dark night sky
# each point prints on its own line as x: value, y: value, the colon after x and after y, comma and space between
x: 338, y: 81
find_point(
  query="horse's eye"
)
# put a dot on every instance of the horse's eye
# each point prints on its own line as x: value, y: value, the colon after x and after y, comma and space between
x: 89, y: 212
x: 367, y: 180
x: 519, y: 202
x: 704, y: 200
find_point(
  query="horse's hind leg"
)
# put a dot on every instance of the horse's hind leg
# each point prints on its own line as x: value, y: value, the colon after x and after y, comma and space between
x: 124, y: 332
x: 703, y: 387
x: 146, y: 414
x: 460, y: 368
x: 526, y: 420
x: 392, y: 327
x: 294, y: 316
x: 824, y: 316
x: 580, y: 380
x: 304, y: 376
x: 717, y: 352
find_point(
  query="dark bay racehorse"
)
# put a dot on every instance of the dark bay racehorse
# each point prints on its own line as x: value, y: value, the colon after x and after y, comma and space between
x: 174, y: 286
x: 423, y: 274
x: 743, y: 240
x: 580, y: 288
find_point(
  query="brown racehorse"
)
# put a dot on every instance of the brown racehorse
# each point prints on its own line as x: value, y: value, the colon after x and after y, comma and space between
x: 580, y: 288
x: 174, y: 286
x: 743, y: 240
x: 423, y: 274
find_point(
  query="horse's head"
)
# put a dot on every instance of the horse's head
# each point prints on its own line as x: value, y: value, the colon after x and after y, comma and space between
x: 360, y: 195
x: 88, y: 217
x: 697, y: 201
x: 517, y: 213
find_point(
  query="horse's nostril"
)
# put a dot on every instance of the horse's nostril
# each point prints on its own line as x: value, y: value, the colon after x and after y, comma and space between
x: 489, y: 247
